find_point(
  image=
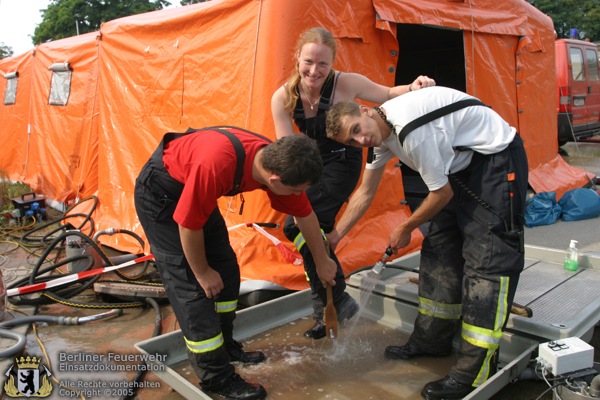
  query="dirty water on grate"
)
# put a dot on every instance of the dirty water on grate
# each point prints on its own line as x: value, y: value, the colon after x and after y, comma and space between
x: 349, y: 367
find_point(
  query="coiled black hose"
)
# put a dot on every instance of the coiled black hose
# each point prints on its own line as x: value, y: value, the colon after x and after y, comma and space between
x: 62, y: 294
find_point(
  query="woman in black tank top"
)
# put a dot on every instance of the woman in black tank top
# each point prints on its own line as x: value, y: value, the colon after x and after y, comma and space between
x: 304, y: 100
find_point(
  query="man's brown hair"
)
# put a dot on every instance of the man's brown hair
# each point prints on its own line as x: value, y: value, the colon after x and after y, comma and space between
x: 334, y: 118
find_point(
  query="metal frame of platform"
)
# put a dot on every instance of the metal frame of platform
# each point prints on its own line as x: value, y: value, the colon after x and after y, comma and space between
x: 564, y: 304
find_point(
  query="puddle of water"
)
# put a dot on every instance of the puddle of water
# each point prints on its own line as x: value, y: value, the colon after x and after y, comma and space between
x: 351, y: 366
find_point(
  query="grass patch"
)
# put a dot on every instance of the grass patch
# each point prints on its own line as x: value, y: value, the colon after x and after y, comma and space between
x: 9, y: 190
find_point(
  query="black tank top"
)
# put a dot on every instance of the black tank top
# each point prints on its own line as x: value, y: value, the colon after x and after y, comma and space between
x: 315, y: 127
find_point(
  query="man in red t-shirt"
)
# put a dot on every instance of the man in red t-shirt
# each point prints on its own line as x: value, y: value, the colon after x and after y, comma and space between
x: 176, y: 201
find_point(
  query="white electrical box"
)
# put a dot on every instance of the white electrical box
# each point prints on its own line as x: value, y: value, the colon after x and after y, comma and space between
x: 566, y: 355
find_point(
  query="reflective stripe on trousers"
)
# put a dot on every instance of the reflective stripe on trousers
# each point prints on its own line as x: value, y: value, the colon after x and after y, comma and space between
x: 439, y: 310
x: 489, y: 339
x: 204, y: 346
x: 299, y: 240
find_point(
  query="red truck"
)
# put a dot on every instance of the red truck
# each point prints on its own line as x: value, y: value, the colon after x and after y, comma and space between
x: 577, y: 90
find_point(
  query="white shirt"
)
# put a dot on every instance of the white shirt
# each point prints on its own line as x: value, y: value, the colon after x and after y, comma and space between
x: 429, y: 149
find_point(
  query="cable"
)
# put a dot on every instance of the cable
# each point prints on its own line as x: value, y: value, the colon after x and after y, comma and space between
x: 551, y: 388
x: 49, y: 362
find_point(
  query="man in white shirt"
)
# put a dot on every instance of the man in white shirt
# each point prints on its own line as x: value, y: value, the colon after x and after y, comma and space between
x: 475, y: 168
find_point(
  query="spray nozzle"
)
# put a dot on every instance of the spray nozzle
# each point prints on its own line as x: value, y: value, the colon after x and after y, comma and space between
x: 573, y: 244
x: 379, y: 265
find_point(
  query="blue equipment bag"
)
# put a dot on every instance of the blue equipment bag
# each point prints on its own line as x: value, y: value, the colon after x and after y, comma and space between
x: 580, y: 203
x: 542, y: 209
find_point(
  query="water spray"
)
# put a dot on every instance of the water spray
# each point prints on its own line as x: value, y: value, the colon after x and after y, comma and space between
x: 379, y: 265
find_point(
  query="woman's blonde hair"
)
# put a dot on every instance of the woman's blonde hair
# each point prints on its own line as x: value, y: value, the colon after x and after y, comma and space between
x: 313, y: 35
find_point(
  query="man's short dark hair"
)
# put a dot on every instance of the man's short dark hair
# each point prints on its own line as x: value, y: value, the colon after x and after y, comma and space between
x: 295, y: 159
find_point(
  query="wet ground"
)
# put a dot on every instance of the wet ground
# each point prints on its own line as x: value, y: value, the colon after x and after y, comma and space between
x: 350, y: 367
x: 97, y: 360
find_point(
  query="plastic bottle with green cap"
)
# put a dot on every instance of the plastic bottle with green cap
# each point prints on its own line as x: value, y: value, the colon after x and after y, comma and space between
x: 572, y: 258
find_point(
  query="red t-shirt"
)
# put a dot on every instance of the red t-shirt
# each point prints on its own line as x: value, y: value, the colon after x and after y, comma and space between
x: 205, y: 162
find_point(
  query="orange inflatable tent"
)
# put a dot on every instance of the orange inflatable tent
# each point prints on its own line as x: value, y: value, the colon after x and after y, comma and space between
x: 218, y: 62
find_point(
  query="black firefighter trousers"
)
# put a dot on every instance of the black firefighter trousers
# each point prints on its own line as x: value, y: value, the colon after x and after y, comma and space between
x: 471, y: 259
x: 156, y: 195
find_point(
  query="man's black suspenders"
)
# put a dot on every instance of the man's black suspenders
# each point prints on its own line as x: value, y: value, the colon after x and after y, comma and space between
x: 435, y: 114
x: 430, y: 116
x: 237, y: 145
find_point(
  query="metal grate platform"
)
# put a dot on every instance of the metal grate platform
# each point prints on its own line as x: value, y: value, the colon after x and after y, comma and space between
x: 564, y: 303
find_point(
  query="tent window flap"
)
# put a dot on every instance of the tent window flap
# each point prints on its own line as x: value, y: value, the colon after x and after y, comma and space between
x: 60, y: 85
x: 10, y: 95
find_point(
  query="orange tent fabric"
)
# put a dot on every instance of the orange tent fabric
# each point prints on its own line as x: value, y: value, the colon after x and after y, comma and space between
x: 218, y: 63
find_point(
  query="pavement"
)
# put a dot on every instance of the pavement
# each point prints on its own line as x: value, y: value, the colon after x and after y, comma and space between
x: 584, y: 155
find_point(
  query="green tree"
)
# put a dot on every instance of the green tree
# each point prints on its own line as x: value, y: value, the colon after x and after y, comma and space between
x: 5, y: 51
x: 65, y: 18
x: 583, y: 15
x: 188, y: 2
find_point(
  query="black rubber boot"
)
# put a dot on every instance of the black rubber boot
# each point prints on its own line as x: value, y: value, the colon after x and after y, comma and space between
x: 346, y: 308
x: 236, y: 388
x: 408, y: 351
x: 447, y: 389
x: 234, y: 349
x: 317, y: 331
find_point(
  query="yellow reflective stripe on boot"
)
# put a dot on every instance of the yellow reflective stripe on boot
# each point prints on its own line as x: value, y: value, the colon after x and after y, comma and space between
x: 204, y: 346
x: 439, y: 310
x: 299, y: 240
x: 225, y: 306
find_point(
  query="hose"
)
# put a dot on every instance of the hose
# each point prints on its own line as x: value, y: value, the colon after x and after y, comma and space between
x: 48, y: 235
x: 17, y: 347
x: 61, y: 295
x: 157, y: 331
x: 60, y: 320
x: 595, y: 386
x: 112, y: 231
